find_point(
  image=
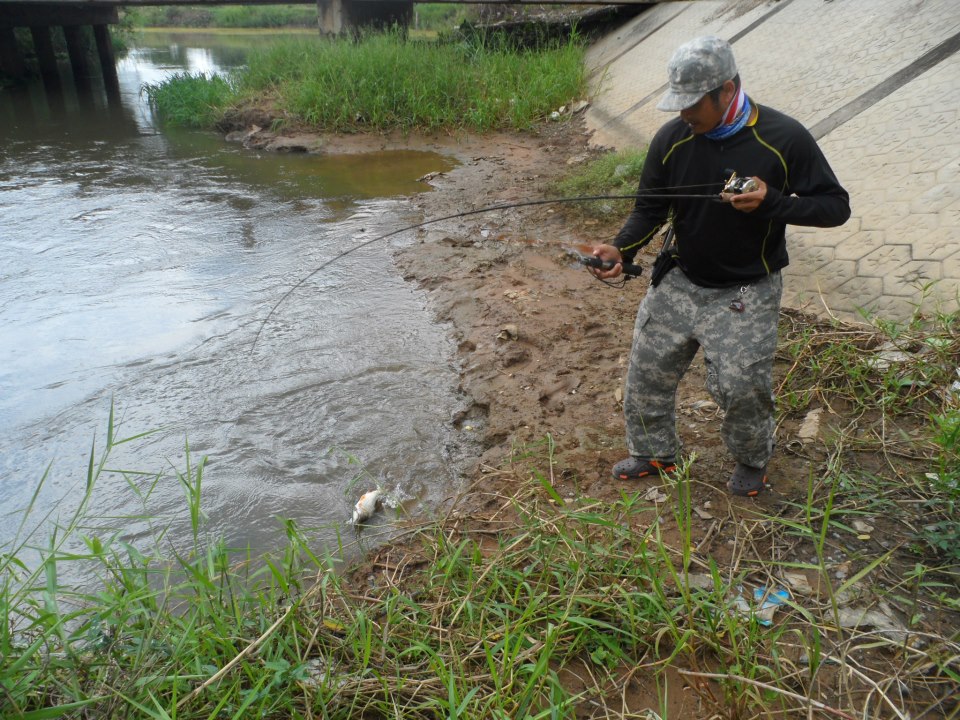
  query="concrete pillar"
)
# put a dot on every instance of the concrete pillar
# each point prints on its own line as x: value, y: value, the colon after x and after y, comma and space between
x: 43, y: 46
x: 330, y: 16
x: 11, y: 62
x: 108, y: 63
x: 78, y: 58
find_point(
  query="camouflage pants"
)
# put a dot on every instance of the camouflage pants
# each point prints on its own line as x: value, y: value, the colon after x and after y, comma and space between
x: 674, y: 320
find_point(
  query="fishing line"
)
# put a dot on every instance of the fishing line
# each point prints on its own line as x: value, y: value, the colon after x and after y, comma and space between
x: 466, y: 213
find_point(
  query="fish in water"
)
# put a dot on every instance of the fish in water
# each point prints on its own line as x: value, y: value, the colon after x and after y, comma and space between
x: 366, y: 506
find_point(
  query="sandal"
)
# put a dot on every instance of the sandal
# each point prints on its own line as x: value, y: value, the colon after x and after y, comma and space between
x: 747, y: 481
x: 634, y: 468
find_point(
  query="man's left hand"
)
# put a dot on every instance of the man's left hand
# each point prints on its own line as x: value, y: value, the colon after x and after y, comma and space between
x: 749, y: 201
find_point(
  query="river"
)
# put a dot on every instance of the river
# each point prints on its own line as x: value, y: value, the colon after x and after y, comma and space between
x: 137, y: 264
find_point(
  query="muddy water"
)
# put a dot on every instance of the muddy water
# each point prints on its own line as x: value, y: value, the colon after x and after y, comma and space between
x: 136, y: 266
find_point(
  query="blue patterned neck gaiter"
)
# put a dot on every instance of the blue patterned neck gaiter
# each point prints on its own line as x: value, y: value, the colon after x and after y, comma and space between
x: 734, y: 118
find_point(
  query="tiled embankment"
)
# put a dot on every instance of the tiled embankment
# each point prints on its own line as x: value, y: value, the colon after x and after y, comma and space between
x: 877, y: 82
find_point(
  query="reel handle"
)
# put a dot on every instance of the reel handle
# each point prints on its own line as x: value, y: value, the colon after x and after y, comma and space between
x: 628, y: 268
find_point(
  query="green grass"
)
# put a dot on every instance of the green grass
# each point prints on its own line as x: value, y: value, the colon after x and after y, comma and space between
x: 612, y: 173
x: 482, y: 632
x: 439, y: 17
x: 227, y: 16
x: 553, y: 608
x: 434, y: 17
x: 894, y: 386
x: 385, y: 83
x: 187, y: 100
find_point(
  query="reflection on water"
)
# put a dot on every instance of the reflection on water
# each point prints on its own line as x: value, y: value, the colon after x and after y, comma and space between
x: 206, y: 52
x: 136, y: 266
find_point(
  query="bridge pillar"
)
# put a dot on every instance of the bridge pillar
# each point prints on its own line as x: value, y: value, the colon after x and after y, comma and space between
x: 336, y: 17
x: 78, y: 57
x: 41, y: 18
x: 10, y: 60
x: 43, y: 46
x: 330, y: 16
x: 108, y: 63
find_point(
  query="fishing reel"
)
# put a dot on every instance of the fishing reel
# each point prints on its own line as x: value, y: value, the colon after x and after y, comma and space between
x: 736, y: 185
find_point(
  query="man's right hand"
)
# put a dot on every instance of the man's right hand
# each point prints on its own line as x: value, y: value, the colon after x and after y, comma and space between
x: 609, y: 254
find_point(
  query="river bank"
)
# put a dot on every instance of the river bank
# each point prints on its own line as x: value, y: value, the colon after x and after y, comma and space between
x: 543, y: 345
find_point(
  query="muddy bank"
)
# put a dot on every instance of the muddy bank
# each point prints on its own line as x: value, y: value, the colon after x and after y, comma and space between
x: 543, y: 344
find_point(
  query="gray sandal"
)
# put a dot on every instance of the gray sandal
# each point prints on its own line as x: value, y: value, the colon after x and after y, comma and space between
x: 634, y: 468
x: 747, y: 481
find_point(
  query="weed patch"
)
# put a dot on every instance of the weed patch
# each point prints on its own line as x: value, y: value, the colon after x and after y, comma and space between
x: 187, y: 100
x: 384, y: 82
x: 612, y: 173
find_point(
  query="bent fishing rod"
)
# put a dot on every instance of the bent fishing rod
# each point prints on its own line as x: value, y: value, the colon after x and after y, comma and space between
x: 466, y: 213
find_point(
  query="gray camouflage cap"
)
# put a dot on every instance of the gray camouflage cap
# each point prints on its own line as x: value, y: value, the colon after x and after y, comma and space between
x: 696, y: 68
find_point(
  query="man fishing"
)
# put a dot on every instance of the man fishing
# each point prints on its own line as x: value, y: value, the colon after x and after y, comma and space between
x: 718, y: 286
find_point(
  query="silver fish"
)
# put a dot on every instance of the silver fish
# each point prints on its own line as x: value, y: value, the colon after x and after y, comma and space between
x: 366, y: 506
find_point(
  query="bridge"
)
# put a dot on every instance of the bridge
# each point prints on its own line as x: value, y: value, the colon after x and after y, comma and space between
x: 334, y: 17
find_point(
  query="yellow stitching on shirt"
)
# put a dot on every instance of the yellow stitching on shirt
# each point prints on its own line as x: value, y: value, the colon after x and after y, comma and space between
x: 642, y: 241
x: 783, y: 162
x: 786, y: 182
x: 674, y: 147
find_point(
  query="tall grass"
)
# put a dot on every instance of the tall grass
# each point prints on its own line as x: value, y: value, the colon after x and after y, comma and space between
x: 384, y: 83
x: 534, y: 600
x: 187, y: 100
x: 897, y: 383
x: 486, y: 630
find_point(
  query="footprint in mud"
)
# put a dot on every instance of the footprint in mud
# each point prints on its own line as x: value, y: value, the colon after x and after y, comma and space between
x: 552, y: 395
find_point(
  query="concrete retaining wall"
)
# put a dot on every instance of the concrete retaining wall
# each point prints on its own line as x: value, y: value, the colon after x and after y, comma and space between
x: 877, y: 82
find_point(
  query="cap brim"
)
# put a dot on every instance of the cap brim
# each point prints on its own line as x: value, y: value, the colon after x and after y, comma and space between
x: 674, y: 101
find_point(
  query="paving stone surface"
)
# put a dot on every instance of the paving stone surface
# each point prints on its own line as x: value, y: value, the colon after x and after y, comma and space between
x: 898, y: 154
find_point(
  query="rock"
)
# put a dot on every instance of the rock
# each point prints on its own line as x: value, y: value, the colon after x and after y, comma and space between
x: 881, y: 619
x: 810, y: 428
x: 861, y: 527
x: 296, y: 144
x: 799, y: 583
x: 654, y: 495
x: 508, y: 332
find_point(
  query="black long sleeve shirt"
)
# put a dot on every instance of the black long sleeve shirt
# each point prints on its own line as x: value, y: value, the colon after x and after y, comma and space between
x: 717, y: 246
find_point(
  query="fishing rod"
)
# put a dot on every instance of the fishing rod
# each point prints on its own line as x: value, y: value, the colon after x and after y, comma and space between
x: 466, y: 213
